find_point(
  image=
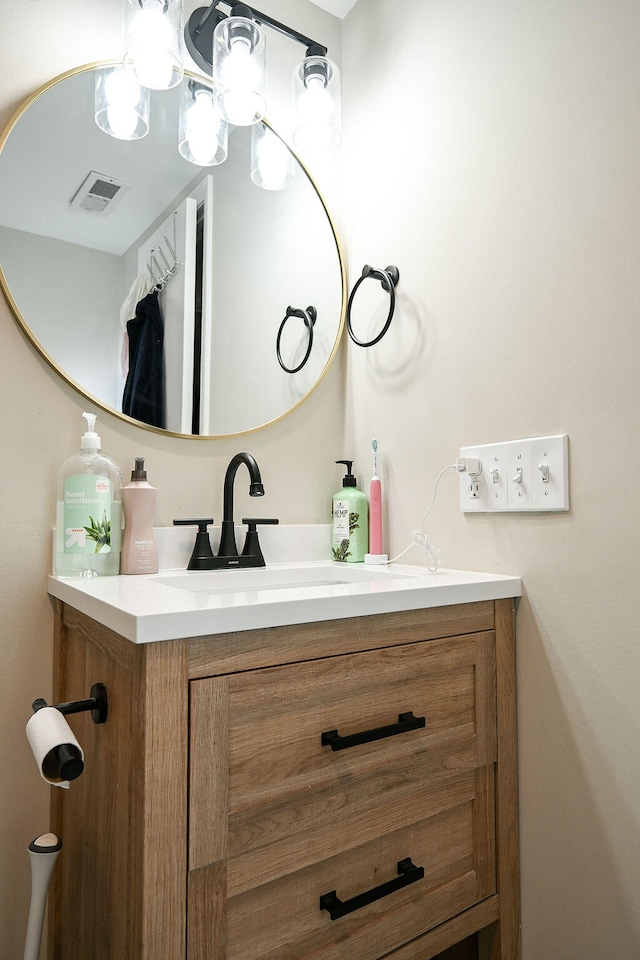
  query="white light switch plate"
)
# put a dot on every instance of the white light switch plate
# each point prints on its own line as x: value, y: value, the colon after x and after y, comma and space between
x: 518, y: 476
x: 550, y: 455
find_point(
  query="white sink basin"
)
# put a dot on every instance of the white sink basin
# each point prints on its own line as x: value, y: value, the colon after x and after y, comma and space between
x: 274, y: 578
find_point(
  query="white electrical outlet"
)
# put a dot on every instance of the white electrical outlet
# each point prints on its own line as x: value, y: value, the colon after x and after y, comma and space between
x: 518, y: 475
x: 472, y: 489
x: 475, y: 489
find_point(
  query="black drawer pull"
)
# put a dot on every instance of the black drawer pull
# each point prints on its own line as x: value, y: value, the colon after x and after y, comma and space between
x: 408, y: 873
x: 406, y: 721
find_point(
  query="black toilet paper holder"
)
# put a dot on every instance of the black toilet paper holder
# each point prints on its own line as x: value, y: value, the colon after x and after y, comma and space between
x: 96, y: 703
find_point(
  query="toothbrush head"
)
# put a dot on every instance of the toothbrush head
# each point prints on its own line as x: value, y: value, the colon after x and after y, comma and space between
x: 374, y: 447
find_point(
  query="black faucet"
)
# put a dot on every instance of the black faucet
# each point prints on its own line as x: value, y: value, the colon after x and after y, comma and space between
x: 202, y: 557
x: 228, y: 546
x: 228, y: 551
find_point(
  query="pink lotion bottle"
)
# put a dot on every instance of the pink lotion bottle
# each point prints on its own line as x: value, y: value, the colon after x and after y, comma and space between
x: 139, y: 547
x: 375, y: 554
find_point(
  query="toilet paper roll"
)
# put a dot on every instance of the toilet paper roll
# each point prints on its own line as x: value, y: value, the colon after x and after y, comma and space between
x: 47, y: 731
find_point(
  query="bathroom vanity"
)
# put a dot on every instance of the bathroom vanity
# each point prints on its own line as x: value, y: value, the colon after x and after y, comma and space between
x: 339, y: 786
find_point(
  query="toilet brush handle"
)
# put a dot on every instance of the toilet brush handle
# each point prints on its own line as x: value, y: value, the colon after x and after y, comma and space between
x: 43, y: 852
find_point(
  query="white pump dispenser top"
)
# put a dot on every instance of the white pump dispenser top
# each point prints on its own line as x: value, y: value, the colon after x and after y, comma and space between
x: 90, y: 439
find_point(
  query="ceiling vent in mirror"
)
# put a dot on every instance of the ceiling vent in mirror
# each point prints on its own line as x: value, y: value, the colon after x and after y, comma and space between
x: 98, y: 194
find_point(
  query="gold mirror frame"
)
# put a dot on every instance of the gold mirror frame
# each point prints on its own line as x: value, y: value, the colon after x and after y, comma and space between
x: 83, y: 391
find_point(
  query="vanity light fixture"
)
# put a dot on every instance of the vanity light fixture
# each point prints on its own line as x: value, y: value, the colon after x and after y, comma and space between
x: 271, y: 162
x: 153, y: 42
x: 203, y: 133
x: 316, y: 92
x: 121, y: 104
x: 231, y: 48
x: 239, y: 67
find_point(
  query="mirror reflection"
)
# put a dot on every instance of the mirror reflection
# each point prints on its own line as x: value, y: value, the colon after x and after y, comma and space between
x: 93, y: 228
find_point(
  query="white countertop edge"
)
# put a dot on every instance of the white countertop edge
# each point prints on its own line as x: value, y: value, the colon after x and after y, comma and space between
x: 420, y: 590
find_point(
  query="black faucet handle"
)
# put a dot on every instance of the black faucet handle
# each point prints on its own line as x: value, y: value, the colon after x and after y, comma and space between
x: 202, y: 556
x: 251, y: 542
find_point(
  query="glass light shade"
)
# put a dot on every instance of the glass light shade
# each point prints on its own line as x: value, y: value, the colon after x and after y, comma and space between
x: 272, y: 166
x: 239, y: 70
x: 317, y: 104
x: 153, y: 42
x: 203, y: 133
x: 121, y: 104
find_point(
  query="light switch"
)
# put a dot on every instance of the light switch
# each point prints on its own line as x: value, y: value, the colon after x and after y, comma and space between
x: 550, y: 459
x: 519, y: 488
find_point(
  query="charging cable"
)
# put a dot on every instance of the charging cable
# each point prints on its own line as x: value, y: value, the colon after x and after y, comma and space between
x: 432, y: 555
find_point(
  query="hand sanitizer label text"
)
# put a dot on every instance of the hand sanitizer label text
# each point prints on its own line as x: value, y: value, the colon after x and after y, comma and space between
x: 87, y: 514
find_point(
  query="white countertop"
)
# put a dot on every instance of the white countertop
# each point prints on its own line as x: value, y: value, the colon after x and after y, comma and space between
x: 146, y: 609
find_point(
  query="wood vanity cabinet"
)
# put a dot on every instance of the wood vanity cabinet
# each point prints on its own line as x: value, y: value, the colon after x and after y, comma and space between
x: 332, y: 790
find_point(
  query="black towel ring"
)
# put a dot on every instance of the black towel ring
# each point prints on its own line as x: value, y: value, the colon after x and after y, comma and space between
x: 388, y: 278
x: 309, y: 316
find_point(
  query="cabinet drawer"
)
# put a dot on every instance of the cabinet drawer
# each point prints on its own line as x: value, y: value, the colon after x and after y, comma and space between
x: 283, y: 919
x: 260, y: 776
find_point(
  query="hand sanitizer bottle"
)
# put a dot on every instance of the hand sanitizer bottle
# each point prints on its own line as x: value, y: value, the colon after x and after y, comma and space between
x: 88, y: 516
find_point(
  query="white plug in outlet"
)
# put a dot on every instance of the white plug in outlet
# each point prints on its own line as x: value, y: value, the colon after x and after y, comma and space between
x: 472, y: 488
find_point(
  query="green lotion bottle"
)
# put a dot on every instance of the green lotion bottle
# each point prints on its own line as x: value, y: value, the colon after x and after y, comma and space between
x: 350, y: 526
x: 88, y: 516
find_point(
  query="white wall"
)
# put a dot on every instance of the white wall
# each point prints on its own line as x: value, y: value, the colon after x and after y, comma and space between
x: 491, y: 151
x: 70, y: 298
x: 41, y: 425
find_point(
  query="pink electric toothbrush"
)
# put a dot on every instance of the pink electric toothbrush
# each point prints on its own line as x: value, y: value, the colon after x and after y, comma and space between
x: 375, y: 554
x: 43, y: 853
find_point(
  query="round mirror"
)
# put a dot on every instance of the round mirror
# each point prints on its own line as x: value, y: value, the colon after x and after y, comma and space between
x: 176, y: 296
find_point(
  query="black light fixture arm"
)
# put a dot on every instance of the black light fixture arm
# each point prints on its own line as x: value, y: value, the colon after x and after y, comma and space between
x: 197, y: 27
x: 200, y: 26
